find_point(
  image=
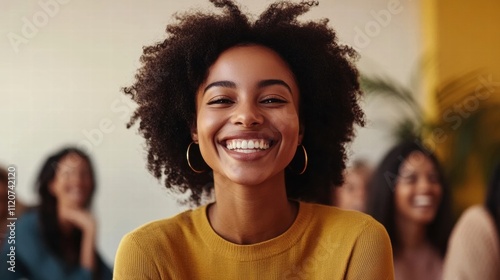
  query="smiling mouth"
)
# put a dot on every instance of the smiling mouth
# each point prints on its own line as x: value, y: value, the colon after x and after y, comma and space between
x: 423, y: 201
x: 248, y: 145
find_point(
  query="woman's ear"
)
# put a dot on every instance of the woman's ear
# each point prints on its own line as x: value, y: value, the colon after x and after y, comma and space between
x: 301, y: 134
x: 194, y: 133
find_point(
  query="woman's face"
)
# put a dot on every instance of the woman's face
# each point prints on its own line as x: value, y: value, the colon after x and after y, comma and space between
x: 418, y: 191
x: 72, y: 184
x: 352, y: 194
x: 247, y: 121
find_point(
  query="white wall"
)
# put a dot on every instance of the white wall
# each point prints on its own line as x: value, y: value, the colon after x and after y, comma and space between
x: 60, y: 83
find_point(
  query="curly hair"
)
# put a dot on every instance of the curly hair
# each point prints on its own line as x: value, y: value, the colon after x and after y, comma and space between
x: 172, y: 70
x: 381, y: 199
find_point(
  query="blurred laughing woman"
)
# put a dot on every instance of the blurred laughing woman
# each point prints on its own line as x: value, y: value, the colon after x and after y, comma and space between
x: 409, y: 196
x: 56, y: 240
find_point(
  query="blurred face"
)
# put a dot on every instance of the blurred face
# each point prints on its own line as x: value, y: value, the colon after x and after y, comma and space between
x: 417, y: 192
x: 247, y: 115
x: 72, y: 184
x: 352, y: 195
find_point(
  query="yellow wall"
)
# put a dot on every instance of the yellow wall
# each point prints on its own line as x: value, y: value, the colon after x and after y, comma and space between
x: 462, y: 36
x: 468, y: 36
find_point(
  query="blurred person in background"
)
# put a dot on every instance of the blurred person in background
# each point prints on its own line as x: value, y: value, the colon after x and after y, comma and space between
x: 474, y: 246
x: 4, y: 205
x: 409, y: 196
x: 57, y: 239
x: 353, y: 193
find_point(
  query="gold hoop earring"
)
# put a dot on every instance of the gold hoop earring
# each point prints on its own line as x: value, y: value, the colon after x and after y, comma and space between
x: 189, y: 163
x: 306, y: 160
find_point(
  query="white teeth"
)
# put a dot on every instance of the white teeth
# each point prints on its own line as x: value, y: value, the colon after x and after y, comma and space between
x: 422, y: 200
x: 247, y: 146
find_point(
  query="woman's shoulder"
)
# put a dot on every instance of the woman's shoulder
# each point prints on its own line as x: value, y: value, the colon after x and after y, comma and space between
x: 356, y: 237
x: 338, y: 215
x: 473, y: 221
x: 349, y: 221
x: 29, y: 216
x: 475, y: 213
x: 28, y: 223
x: 473, y: 247
x: 160, y: 240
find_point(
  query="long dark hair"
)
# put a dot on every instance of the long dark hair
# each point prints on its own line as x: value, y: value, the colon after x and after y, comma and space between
x: 381, y: 200
x: 48, y: 218
x: 493, y: 197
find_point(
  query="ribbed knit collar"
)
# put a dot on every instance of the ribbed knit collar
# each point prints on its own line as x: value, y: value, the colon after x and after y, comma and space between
x: 255, y: 251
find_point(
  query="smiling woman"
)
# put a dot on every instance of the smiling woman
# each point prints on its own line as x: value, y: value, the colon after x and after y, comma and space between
x: 264, y: 110
x: 57, y: 239
x: 409, y: 196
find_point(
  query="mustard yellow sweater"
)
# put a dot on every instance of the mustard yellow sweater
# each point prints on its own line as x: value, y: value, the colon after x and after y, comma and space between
x: 323, y: 243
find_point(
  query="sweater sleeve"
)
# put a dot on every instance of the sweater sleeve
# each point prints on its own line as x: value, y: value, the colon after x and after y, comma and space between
x: 133, y: 261
x: 473, y: 248
x: 371, y: 257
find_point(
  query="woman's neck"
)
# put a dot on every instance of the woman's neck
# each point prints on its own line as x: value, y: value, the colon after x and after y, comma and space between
x: 251, y: 214
x: 415, y: 257
x: 411, y: 235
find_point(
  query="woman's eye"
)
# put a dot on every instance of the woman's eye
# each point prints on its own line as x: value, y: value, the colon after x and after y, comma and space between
x: 273, y: 100
x: 408, y: 179
x: 220, y: 101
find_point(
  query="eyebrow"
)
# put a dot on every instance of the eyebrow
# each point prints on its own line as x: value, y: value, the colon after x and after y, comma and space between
x: 266, y: 83
x: 227, y: 84
x: 261, y: 84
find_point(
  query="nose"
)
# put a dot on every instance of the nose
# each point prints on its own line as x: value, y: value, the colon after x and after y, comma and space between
x: 247, y: 114
x: 74, y: 178
x: 78, y: 178
x: 426, y: 185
